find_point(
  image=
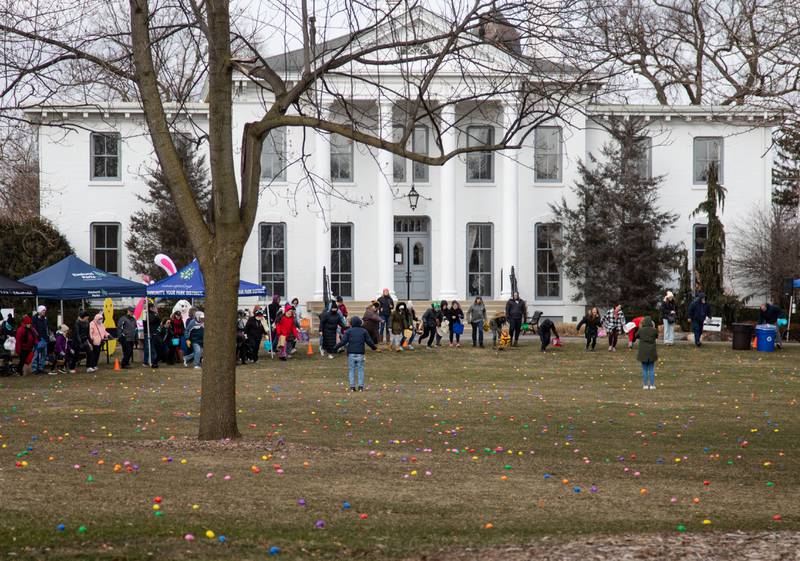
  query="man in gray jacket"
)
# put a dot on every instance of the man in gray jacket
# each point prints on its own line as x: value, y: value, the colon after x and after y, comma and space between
x: 127, y: 336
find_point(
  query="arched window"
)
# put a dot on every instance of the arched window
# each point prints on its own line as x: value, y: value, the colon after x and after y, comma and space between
x: 419, y: 254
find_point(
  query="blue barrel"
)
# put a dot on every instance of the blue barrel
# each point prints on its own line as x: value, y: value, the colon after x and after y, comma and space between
x: 766, y: 335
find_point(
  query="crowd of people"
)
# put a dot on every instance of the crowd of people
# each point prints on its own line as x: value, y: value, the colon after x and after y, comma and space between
x: 281, y: 326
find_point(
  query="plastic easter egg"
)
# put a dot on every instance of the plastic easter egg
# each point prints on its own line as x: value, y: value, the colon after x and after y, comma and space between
x: 189, y: 537
x: 210, y: 534
x: 488, y: 526
x: 222, y: 539
x: 274, y: 550
x: 681, y: 528
x: 777, y: 517
x: 301, y: 502
x: 157, y: 500
x: 362, y: 516
x: 60, y: 527
x: 346, y: 505
x: 706, y: 522
x: 82, y: 529
x: 593, y: 489
x: 319, y: 524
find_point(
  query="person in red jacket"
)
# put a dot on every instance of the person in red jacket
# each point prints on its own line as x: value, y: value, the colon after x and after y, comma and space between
x: 634, y: 332
x: 26, y: 342
x: 285, y: 328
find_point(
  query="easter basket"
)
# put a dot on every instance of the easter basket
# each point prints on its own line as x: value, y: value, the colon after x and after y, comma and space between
x: 267, y: 345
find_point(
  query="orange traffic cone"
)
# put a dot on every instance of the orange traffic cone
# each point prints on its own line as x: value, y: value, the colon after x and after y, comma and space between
x: 310, y: 351
x: 116, y: 364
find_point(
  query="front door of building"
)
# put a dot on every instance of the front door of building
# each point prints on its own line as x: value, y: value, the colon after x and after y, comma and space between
x: 412, y: 257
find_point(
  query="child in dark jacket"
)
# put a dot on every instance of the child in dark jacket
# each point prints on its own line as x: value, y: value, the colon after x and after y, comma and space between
x: 356, y: 339
x: 546, y: 329
x: 593, y: 322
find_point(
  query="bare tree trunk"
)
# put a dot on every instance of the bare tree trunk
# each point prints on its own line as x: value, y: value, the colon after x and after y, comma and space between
x: 218, y: 399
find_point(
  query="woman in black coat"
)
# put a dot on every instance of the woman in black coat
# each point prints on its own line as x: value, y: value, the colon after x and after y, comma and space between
x: 329, y: 321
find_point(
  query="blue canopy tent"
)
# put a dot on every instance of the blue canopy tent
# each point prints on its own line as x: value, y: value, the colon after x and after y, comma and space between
x: 9, y: 287
x: 188, y: 283
x: 74, y: 279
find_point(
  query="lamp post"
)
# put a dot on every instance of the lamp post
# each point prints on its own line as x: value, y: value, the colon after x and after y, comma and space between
x: 413, y: 197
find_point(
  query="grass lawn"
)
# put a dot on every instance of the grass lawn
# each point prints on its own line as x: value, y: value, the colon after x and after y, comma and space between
x: 447, y: 448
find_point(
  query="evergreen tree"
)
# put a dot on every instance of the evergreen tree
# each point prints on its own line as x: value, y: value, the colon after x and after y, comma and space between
x: 157, y: 228
x: 611, y: 248
x: 786, y: 168
x: 29, y: 245
x: 709, y: 270
x: 684, y: 295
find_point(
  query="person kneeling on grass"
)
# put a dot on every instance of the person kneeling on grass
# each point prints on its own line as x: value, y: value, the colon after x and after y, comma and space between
x: 647, y: 355
x: 356, y: 339
x: 545, y: 329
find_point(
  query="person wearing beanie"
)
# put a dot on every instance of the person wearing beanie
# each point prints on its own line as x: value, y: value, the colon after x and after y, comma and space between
x: 669, y: 315
x: 195, y: 336
x: 39, y: 322
x: 27, y: 338
x: 356, y: 339
x: 286, y: 330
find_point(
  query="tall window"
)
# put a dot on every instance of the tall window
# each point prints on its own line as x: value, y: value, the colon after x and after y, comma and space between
x: 420, y: 140
x: 707, y: 151
x: 547, y: 154
x: 272, y: 255
x: 548, y: 274
x: 273, y: 156
x: 419, y: 143
x: 341, y: 159
x: 479, y: 259
x: 105, y: 155
x: 480, y: 165
x: 700, y: 237
x: 644, y: 163
x: 106, y: 247
x: 342, y: 260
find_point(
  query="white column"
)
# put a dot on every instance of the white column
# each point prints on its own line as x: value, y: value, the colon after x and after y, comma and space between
x: 510, y: 197
x: 322, y: 232
x: 447, y: 209
x: 384, y: 198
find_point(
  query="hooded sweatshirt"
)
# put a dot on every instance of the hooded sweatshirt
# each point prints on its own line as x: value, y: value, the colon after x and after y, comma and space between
x: 648, y: 335
x: 97, y: 331
x: 356, y: 338
x: 286, y: 325
x: 26, y: 336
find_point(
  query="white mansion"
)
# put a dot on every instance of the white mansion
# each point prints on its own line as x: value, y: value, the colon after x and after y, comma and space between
x: 477, y: 216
